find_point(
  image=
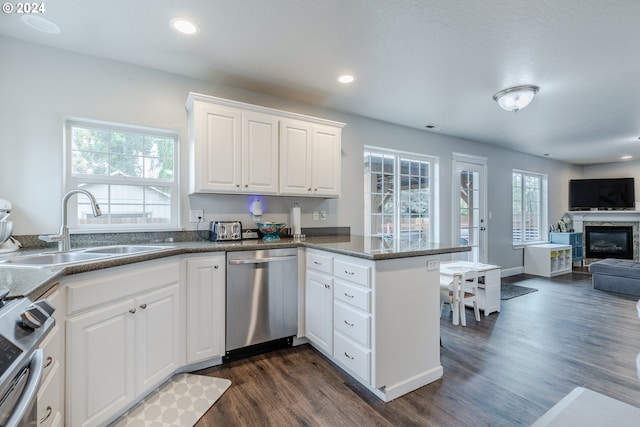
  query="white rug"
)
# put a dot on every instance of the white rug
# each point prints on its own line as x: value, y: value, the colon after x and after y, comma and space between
x: 179, y: 402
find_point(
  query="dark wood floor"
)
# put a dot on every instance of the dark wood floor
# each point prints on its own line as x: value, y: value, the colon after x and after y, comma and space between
x: 506, y: 370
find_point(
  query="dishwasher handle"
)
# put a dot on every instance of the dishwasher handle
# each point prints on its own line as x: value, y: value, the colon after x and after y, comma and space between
x: 261, y: 260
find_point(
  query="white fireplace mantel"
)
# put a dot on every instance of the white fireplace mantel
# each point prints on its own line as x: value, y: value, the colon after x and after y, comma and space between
x: 580, y: 217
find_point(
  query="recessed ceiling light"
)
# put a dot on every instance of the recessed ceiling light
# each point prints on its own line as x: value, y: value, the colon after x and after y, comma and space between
x: 41, y: 24
x: 626, y: 157
x: 346, y: 78
x: 184, y: 26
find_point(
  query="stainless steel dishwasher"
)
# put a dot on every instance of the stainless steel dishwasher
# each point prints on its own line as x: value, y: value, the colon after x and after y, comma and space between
x: 262, y: 300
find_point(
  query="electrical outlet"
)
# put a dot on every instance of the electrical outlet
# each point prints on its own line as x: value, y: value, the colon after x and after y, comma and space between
x: 196, y: 215
x: 433, y: 265
x: 323, y: 215
x: 316, y: 215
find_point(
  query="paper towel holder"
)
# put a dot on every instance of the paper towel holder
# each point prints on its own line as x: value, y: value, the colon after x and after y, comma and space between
x: 295, y: 224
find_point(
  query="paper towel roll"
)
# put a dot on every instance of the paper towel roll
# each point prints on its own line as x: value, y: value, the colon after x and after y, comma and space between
x: 295, y: 220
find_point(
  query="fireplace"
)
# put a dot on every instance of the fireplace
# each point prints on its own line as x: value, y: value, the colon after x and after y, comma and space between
x: 608, y: 242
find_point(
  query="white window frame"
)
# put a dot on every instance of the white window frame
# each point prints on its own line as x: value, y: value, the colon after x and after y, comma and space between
x: 433, y: 190
x: 75, y: 181
x: 543, y: 208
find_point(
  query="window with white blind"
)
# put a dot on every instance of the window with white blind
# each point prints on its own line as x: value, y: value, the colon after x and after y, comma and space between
x: 132, y: 172
x: 398, y: 194
x: 529, y: 207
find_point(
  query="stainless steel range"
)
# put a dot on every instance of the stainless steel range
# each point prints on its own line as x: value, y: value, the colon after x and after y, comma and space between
x: 23, y: 326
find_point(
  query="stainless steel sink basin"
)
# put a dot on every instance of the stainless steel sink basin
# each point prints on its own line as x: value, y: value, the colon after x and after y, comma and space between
x: 55, y: 259
x: 124, y: 249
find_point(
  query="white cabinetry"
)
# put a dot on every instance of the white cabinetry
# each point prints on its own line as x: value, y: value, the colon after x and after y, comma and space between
x: 50, y: 401
x: 548, y: 259
x: 352, y: 320
x: 310, y: 163
x: 237, y: 147
x: 205, y: 307
x: 122, y: 337
x: 381, y: 309
x: 232, y: 150
x: 319, y: 301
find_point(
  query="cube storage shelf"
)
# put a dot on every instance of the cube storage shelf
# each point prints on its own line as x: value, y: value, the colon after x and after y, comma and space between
x: 570, y: 238
x: 548, y: 259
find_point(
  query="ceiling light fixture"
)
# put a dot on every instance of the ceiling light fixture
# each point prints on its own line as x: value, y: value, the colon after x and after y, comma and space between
x: 515, y: 98
x: 346, y: 78
x: 41, y: 24
x: 184, y: 26
x: 626, y: 157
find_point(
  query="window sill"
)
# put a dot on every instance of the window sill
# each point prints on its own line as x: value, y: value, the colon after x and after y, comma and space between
x: 523, y: 245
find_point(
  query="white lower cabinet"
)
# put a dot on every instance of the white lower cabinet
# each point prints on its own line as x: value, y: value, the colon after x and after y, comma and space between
x: 50, y: 402
x: 205, y: 329
x: 122, y: 338
x: 319, y: 309
x: 379, y: 310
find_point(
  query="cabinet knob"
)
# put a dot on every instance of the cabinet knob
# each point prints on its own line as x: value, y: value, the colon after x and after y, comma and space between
x: 327, y: 286
x: 143, y: 306
x: 238, y: 185
x: 309, y: 189
x: 315, y: 189
x: 132, y: 310
x: 215, y: 267
x: 246, y: 186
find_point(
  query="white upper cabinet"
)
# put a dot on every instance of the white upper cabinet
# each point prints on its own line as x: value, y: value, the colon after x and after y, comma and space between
x: 259, y: 153
x: 309, y: 159
x: 326, y: 169
x: 237, y: 147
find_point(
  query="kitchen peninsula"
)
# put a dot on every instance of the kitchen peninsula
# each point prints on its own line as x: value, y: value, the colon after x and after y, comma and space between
x: 370, y: 305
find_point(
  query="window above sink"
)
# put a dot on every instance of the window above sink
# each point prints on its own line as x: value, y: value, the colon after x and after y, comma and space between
x: 131, y: 170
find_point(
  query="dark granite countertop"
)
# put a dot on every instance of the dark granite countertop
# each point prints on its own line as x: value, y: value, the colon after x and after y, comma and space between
x: 34, y: 282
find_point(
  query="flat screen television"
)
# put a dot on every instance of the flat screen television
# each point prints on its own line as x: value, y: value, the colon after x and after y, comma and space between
x: 606, y: 193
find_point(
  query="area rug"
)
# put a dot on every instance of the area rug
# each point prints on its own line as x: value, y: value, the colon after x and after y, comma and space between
x: 508, y: 291
x: 179, y: 402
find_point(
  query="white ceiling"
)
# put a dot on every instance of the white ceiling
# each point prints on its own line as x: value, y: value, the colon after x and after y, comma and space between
x: 416, y: 62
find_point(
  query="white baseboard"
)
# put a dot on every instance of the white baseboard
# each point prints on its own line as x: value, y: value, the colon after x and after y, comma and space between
x: 506, y: 272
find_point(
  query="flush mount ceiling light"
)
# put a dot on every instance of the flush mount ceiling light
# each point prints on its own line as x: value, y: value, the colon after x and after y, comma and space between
x: 41, y: 24
x: 184, y: 26
x: 346, y: 78
x: 515, y: 98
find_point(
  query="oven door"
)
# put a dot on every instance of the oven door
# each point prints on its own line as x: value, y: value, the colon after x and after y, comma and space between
x: 18, y: 404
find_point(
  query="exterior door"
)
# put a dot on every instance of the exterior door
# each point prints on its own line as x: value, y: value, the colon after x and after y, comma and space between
x: 469, y: 205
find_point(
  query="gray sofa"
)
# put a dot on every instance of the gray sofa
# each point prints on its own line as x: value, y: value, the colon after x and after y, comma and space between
x: 616, y: 275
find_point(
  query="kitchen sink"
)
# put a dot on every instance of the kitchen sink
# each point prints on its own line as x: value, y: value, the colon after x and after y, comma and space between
x: 123, y: 249
x: 55, y: 259
x: 52, y: 259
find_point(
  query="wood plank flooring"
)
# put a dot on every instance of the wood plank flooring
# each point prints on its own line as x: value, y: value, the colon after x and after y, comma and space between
x: 506, y: 370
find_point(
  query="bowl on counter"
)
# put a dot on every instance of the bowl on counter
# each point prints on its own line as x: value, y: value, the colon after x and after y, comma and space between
x: 270, y: 230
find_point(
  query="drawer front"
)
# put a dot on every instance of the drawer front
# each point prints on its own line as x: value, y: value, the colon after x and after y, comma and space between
x: 355, y: 295
x: 319, y: 262
x: 352, y: 323
x: 353, y: 356
x: 52, y: 349
x: 354, y: 273
x: 49, y: 401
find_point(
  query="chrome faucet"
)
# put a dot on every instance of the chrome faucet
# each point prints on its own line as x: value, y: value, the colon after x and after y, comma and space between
x: 63, y: 237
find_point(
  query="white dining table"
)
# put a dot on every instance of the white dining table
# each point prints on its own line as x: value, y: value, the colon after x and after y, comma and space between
x: 488, y: 282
